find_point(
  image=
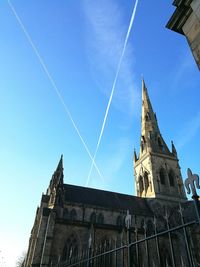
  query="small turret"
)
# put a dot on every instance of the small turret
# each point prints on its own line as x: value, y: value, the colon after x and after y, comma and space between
x: 174, y: 152
x: 135, y: 155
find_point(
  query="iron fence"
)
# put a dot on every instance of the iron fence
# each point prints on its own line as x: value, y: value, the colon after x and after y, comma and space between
x: 159, y: 248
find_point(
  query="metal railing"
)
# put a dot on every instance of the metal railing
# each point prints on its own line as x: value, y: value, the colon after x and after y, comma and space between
x: 158, y: 248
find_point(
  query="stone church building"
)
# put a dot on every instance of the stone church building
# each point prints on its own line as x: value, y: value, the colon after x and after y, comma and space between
x: 73, y: 222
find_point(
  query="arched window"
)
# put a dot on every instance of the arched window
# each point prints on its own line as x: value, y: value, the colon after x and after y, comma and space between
x: 119, y: 221
x: 141, y: 184
x: 171, y: 178
x: 146, y: 181
x: 100, y: 218
x: 93, y: 217
x: 162, y: 176
x: 65, y: 214
x: 150, y: 227
x: 70, y: 250
x: 73, y: 215
x: 107, y: 259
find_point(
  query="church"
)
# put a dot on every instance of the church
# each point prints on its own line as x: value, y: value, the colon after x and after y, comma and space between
x: 80, y: 226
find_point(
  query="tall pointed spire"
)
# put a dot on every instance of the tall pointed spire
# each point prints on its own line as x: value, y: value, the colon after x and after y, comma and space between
x: 149, y: 121
x: 151, y: 139
x: 56, y: 186
x: 155, y: 168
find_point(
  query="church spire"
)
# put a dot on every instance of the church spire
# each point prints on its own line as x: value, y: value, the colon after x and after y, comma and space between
x: 151, y: 139
x: 156, y: 169
x: 55, y: 188
x: 149, y: 121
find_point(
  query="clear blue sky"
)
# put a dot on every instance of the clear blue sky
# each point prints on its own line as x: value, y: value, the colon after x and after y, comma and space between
x: 80, y: 43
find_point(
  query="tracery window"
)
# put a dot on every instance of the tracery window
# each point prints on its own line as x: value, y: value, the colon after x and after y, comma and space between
x: 171, y: 178
x: 162, y: 176
x: 146, y: 181
x: 106, y: 261
x: 70, y: 250
x: 150, y: 227
x: 73, y: 215
x: 93, y: 217
x: 141, y: 184
x: 100, y: 218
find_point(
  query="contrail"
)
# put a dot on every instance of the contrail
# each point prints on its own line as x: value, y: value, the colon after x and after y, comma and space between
x: 53, y: 84
x: 113, y: 89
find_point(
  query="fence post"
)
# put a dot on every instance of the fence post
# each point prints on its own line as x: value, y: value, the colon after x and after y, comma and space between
x: 137, y: 248
x: 146, y: 242
x: 157, y: 241
x: 128, y: 225
x: 170, y: 239
x: 191, y: 183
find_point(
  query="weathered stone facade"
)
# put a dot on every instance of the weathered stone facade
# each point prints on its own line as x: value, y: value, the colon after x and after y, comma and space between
x: 186, y: 20
x: 72, y: 218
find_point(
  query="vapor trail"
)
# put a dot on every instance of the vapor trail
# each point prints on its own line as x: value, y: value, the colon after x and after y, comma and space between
x: 53, y: 84
x: 113, y: 89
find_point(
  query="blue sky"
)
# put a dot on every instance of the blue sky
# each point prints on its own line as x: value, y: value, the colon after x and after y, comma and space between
x: 80, y: 43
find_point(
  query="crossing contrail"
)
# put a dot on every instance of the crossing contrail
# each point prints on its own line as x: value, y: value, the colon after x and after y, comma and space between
x: 54, y: 86
x: 113, y: 89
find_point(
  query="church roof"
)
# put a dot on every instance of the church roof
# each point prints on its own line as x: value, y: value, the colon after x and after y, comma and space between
x: 106, y: 199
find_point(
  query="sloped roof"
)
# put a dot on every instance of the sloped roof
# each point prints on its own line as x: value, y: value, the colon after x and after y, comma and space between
x: 106, y: 199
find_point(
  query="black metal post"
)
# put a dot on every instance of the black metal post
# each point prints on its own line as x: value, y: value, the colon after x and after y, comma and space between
x: 146, y: 243
x: 157, y: 242
x: 191, y: 183
x: 128, y: 248
x: 197, y: 206
x: 170, y: 241
x: 186, y: 238
x: 137, y: 248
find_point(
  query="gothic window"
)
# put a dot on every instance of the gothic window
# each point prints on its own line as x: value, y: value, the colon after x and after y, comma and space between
x: 162, y: 176
x: 146, y: 181
x: 142, y: 223
x: 100, y: 218
x: 141, y: 184
x: 119, y: 221
x: 106, y: 261
x: 93, y: 217
x: 73, y: 215
x: 171, y: 178
x: 65, y: 214
x: 150, y: 227
x: 70, y: 250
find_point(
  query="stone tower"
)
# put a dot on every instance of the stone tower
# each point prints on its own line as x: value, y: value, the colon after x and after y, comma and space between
x: 157, y: 170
